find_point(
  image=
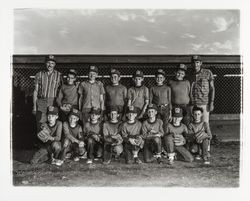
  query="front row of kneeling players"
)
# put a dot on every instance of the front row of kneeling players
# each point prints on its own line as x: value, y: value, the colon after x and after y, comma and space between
x: 113, y: 137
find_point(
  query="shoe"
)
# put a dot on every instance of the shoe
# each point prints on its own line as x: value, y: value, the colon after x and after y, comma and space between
x: 53, y: 161
x: 76, y: 159
x: 206, y: 161
x: 68, y: 155
x: 159, y: 160
x: 89, y: 161
x: 164, y: 154
x: 197, y: 157
x: 171, y: 157
x: 137, y: 160
x: 84, y: 156
x: 96, y: 159
x: 106, y: 162
x: 59, y: 162
x: 171, y: 161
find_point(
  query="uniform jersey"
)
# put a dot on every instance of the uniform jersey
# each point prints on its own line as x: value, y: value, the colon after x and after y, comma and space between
x: 200, y: 87
x: 72, y: 133
x: 180, y: 92
x: 194, y: 128
x: 112, y: 129
x: 138, y: 96
x: 176, y: 130
x: 116, y: 95
x: 90, y: 128
x: 160, y: 95
x: 68, y: 94
x: 55, y: 131
x: 91, y: 94
x: 131, y: 130
x: 148, y: 126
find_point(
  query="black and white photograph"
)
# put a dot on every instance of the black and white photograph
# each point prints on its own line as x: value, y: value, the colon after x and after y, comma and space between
x: 142, y: 98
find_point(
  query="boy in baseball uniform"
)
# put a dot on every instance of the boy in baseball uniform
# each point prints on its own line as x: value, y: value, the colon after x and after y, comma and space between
x: 199, y: 136
x: 92, y: 131
x: 112, y: 136
x: 68, y: 95
x: 160, y: 95
x: 116, y: 93
x: 138, y: 95
x: 152, y: 131
x: 132, y: 136
x: 174, y: 138
x: 51, y: 144
x: 91, y: 94
x: 73, y: 139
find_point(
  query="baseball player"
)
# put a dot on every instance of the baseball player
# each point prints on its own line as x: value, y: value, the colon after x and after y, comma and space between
x: 47, y: 83
x: 112, y: 136
x: 116, y: 93
x: 68, y: 95
x: 180, y: 92
x: 50, y: 135
x: 152, y: 131
x: 91, y: 94
x: 160, y: 95
x: 138, y: 95
x: 73, y: 141
x: 199, y: 136
x: 132, y: 136
x: 174, y: 138
x: 92, y: 131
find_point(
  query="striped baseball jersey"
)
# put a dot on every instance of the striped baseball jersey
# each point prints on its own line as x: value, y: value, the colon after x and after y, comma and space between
x: 200, y: 87
x: 160, y: 95
x: 116, y: 95
x: 138, y: 96
x: 194, y: 128
x: 73, y: 134
x: 148, y: 126
x: 180, y: 91
x: 48, y: 83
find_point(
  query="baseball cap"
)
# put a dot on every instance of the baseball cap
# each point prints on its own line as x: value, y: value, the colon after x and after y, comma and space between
x: 152, y: 106
x: 72, y: 71
x: 114, y: 71
x: 93, y: 69
x: 50, y: 58
x: 75, y: 112
x: 131, y: 109
x: 52, y: 110
x: 196, y: 58
x: 95, y: 110
x: 182, y: 67
x: 113, y: 108
x: 138, y: 73
x: 177, y: 112
x: 160, y: 72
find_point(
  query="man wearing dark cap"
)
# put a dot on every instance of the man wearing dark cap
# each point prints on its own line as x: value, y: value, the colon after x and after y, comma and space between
x: 202, y: 88
x: 68, y: 95
x: 116, y: 93
x: 180, y: 91
x: 47, y: 83
x: 91, y: 94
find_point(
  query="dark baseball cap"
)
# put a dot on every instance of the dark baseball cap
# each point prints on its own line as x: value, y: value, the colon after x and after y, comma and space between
x: 138, y: 73
x: 50, y: 58
x: 152, y: 106
x: 160, y: 72
x: 114, y: 71
x: 52, y: 110
x: 196, y: 58
x: 93, y: 69
x: 75, y: 112
x: 132, y: 109
x: 95, y: 110
x: 182, y: 67
x: 177, y: 112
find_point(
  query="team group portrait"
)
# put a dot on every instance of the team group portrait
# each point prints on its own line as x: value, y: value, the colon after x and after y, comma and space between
x: 127, y: 98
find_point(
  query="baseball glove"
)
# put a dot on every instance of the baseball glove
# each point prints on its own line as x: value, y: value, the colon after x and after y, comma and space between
x: 44, y: 134
x: 200, y: 137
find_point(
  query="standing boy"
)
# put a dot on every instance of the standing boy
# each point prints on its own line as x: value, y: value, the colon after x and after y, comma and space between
x: 152, y: 131
x: 46, y: 89
x: 91, y: 94
x: 138, y: 95
x: 51, y: 144
x: 116, y: 93
x: 68, y: 95
x: 160, y: 95
x: 132, y: 136
x: 93, y: 132
x: 73, y: 141
x: 175, y: 133
x: 112, y: 136
x: 199, y: 135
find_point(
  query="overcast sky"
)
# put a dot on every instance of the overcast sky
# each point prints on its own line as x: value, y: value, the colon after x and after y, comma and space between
x: 41, y: 31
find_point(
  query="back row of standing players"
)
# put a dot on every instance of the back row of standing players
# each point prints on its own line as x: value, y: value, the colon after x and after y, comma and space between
x: 87, y: 101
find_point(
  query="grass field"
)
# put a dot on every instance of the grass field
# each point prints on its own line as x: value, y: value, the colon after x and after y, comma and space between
x: 223, y: 172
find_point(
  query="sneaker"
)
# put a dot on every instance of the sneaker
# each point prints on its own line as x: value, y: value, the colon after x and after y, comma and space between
x: 106, y: 162
x: 89, y: 161
x: 171, y: 161
x: 198, y: 157
x: 76, y: 159
x: 137, y: 160
x: 84, y: 156
x: 206, y: 161
x: 53, y: 161
x: 164, y: 154
x: 159, y: 160
x: 59, y: 162
x: 68, y: 156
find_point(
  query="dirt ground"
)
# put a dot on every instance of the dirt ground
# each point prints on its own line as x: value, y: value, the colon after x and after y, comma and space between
x: 223, y: 172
